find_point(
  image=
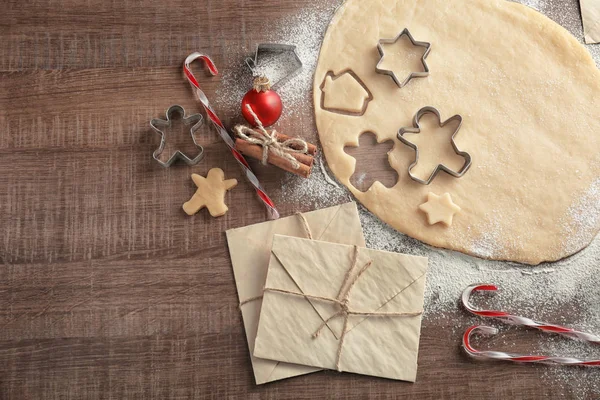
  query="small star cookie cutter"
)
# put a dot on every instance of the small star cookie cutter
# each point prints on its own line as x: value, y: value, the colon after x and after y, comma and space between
x: 263, y: 50
x: 392, y: 74
x: 160, y: 125
x: 441, y: 167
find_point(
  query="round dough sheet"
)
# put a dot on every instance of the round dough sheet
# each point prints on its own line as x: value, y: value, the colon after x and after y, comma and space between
x: 529, y: 96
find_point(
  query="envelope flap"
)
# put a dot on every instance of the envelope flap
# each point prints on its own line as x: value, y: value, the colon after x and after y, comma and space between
x: 337, y: 226
x: 388, y: 277
x: 314, y: 266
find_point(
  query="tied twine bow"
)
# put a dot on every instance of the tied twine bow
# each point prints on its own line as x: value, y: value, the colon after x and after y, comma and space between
x: 342, y: 301
x: 269, y: 143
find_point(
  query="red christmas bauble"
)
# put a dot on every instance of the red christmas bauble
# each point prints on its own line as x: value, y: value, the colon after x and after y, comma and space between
x: 265, y: 103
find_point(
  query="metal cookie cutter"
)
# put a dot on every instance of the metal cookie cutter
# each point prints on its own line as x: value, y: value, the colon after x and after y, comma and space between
x: 417, y: 129
x: 160, y: 125
x: 390, y: 73
x: 269, y: 53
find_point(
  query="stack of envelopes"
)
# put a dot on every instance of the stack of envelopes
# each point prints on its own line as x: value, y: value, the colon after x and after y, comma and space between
x: 313, y: 297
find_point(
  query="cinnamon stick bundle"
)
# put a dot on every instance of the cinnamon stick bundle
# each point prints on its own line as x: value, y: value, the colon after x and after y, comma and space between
x: 256, y: 151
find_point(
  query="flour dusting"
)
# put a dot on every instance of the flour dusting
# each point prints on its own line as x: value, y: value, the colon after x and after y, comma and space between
x: 583, y: 217
x: 305, y: 30
x: 488, y: 244
x: 565, y: 292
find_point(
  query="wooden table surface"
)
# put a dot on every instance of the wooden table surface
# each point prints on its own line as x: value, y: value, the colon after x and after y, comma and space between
x: 107, y: 289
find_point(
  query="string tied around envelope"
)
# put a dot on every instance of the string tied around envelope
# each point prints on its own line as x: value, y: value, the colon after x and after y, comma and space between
x: 269, y: 143
x: 342, y: 300
x: 305, y: 225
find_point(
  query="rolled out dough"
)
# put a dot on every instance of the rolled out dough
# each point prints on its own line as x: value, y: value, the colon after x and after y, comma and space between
x: 529, y: 95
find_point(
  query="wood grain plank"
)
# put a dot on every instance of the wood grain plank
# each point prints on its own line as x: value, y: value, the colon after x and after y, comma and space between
x: 133, y: 33
x: 116, y: 298
x: 160, y: 366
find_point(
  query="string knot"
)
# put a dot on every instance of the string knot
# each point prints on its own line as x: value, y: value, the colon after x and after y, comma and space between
x: 345, y: 306
x: 268, y: 141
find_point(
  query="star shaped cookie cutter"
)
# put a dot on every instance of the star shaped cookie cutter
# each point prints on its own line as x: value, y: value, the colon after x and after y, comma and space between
x: 160, y: 125
x: 441, y: 167
x: 392, y: 74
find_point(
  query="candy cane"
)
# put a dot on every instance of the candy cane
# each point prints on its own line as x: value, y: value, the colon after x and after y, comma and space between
x: 518, y: 320
x: 272, y: 211
x: 518, y: 358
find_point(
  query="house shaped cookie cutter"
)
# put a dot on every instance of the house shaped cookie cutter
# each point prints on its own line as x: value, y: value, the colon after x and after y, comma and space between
x: 266, y: 50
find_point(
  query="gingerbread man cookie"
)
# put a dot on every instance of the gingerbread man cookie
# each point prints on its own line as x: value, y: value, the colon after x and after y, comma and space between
x: 210, y: 193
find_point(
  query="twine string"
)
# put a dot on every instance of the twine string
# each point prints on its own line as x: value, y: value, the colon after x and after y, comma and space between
x: 343, y: 303
x: 269, y: 143
x: 305, y: 224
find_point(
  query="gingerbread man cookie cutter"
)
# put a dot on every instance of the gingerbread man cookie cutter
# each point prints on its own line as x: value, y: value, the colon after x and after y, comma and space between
x: 161, y: 125
x: 392, y: 74
x: 441, y: 167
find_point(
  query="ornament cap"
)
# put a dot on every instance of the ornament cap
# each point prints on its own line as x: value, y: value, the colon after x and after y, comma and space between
x: 262, y: 84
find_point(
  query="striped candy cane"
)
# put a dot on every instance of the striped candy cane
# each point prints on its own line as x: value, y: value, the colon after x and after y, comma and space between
x: 272, y: 211
x: 518, y: 358
x: 517, y: 320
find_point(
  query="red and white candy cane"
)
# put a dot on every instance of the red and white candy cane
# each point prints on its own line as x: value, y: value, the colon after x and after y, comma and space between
x: 517, y: 320
x: 272, y: 211
x: 518, y: 358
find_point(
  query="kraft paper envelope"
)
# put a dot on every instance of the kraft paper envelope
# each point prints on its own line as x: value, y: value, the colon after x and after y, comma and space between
x: 590, y: 13
x: 250, y: 249
x: 376, y: 344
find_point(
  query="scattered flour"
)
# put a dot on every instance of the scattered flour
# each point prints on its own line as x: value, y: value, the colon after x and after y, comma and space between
x: 488, y: 244
x: 565, y: 292
x: 535, y: 4
x: 305, y: 30
x: 280, y: 68
x: 316, y: 190
x: 326, y: 176
x: 583, y: 216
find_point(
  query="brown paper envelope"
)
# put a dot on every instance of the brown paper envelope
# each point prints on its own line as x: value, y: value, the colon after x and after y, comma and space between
x: 379, y: 346
x: 250, y: 249
x: 590, y: 14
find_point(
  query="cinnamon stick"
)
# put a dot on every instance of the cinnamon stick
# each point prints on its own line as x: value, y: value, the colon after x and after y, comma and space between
x: 312, y: 149
x: 301, y: 158
x: 255, y: 151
